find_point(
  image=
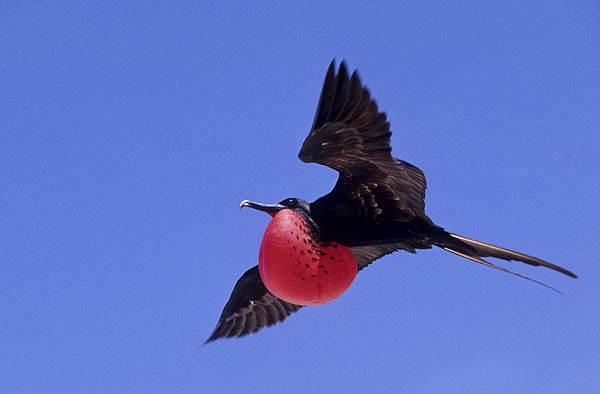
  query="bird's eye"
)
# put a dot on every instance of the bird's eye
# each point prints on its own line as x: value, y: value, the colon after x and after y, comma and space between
x: 289, y: 202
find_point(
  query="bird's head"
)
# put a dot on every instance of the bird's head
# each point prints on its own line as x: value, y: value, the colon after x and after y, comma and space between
x: 297, y: 204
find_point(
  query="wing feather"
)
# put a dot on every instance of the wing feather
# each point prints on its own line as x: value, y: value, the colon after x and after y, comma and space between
x: 351, y: 135
x: 250, y: 308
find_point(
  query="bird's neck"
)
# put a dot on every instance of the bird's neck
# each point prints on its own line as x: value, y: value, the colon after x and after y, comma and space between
x: 315, y: 230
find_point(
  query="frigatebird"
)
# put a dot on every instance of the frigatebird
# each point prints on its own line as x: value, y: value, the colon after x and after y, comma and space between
x: 376, y: 207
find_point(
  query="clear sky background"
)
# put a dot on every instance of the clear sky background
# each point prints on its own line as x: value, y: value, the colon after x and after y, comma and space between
x: 130, y: 133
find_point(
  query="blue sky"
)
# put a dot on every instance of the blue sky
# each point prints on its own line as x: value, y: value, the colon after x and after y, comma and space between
x: 130, y: 133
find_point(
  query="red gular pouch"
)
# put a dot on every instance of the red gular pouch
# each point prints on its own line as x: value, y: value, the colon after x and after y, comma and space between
x: 299, y: 269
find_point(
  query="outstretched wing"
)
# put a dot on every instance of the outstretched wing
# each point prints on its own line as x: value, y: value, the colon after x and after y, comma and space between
x: 250, y: 308
x: 352, y: 136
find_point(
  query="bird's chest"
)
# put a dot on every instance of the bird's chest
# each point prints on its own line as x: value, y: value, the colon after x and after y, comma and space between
x: 298, y: 267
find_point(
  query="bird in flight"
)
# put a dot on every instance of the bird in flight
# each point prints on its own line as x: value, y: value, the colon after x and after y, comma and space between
x: 376, y: 207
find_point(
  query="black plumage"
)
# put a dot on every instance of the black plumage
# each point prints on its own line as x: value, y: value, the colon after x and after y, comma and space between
x: 250, y: 308
x: 376, y: 207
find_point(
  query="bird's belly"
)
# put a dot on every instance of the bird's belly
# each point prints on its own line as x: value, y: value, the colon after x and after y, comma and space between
x: 360, y: 233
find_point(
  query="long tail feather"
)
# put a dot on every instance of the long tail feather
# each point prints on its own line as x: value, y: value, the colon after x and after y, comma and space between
x: 479, y: 260
x: 483, y: 249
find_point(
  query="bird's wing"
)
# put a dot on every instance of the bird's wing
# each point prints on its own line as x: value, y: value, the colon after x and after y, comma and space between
x: 365, y: 255
x: 250, y: 308
x: 352, y: 136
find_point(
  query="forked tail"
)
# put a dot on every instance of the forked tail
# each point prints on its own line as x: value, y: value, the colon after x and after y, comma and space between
x: 475, y: 251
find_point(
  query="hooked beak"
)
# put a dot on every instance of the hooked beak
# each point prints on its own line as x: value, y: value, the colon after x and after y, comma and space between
x: 271, y: 209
